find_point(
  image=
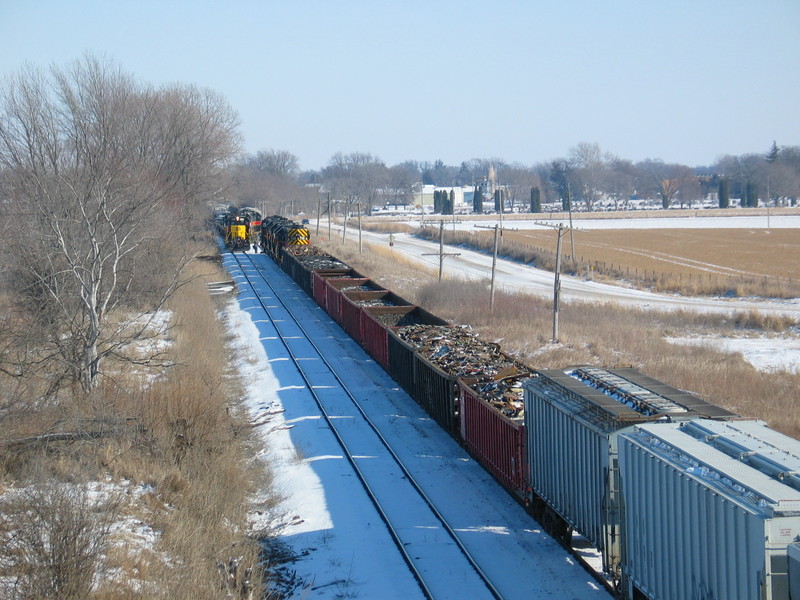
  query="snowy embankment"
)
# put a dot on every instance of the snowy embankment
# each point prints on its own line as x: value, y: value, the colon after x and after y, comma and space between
x: 341, y: 545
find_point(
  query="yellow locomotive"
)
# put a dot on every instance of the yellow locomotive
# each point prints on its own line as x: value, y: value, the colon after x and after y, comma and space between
x: 237, y: 227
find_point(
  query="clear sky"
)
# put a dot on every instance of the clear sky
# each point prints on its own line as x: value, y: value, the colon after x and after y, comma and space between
x: 524, y: 81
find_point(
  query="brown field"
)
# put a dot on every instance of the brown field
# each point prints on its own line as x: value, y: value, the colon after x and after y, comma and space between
x: 730, y: 262
x: 748, y: 252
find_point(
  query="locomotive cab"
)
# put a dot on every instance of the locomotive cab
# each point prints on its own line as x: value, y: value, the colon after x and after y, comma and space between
x: 237, y: 232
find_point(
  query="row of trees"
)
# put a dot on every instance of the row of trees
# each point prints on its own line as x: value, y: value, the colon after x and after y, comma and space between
x: 102, y: 182
x: 587, y: 179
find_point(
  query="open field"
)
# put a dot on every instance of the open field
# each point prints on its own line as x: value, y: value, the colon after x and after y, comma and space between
x: 728, y: 252
x: 717, y: 262
x: 716, y: 252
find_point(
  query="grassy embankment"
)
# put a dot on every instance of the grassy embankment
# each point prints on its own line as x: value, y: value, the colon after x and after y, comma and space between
x: 164, y: 495
x: 602, y: 335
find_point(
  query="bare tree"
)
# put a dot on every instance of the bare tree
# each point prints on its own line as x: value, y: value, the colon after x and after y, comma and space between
x: 400, y: 183
x: 268, y: 181
x: 666, y: 181
x: 102, y: 176
x: 620, y: 181
x: 356, y: 178
x: 277, y: 162
x: 589, y: 171
x: 517, y: 180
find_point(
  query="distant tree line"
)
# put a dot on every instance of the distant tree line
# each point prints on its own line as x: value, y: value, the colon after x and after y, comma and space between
x: 587, y: 179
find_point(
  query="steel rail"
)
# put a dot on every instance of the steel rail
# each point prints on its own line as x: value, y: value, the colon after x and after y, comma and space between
x: 427, y: 501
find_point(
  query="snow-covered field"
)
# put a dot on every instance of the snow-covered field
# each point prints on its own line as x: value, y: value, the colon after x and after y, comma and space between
x: 690, y: 220
x: 769, y: 354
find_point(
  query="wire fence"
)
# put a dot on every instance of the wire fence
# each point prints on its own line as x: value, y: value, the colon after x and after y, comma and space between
x: 677, y: 281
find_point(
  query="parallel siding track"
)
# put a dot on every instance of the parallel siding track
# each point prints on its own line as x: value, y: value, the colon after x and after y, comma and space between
x: 421, y: 533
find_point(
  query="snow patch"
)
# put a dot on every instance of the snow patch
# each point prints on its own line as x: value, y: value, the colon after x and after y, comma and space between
x: 769, y: 355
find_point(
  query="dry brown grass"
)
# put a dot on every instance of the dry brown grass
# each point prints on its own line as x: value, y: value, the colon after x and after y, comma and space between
x: 387, y: 227
x: 178, y: 430
x: 609, y: 335
x: 740, y: 262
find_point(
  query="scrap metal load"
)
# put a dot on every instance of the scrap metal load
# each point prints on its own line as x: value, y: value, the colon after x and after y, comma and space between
x: 458, y: 351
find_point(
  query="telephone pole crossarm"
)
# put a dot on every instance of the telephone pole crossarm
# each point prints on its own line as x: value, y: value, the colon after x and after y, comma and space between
x: 561, y: 229
x: 441, y: 254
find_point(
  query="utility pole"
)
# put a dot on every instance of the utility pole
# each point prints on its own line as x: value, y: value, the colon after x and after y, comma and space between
x: 346, y: 214
x: 329, y: 216
x: 319, y: 208
x: 569, y: 207
x: 494, y: 266
x: 561, y: 230
x: 767, y: 202
x: 557, y: 283
x: 441, y: 254
x: 360, y: 245
x: 498, y: 232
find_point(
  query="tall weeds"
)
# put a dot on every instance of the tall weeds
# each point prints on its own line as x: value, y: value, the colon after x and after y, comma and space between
x: 176, y: 431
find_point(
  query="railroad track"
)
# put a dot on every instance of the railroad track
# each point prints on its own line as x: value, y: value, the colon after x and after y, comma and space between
x: 420, y: 532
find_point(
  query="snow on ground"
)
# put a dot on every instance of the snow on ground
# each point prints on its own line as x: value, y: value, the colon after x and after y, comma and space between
x: 690, y: 220
x: 343, y: 549
x: 765, y: 354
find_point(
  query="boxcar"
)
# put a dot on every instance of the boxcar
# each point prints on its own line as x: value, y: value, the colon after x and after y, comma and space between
x: 794, y: 570
x: 710, y: 510
x: 572, y: 420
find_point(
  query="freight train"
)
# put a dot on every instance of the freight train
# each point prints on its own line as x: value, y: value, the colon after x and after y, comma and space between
x: 681, y: 498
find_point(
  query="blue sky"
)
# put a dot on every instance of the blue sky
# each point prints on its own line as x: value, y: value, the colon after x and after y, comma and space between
x: 523, y: 81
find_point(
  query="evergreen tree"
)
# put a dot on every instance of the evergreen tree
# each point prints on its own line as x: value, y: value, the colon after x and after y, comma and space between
x: 452, y: 202
x: 536, y: 200
x: 497, y: 207
x: 477, y: 201
x: 772, y: 155
x: 752, y: 194
x: 724, y: 194
x: 437, y: 202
